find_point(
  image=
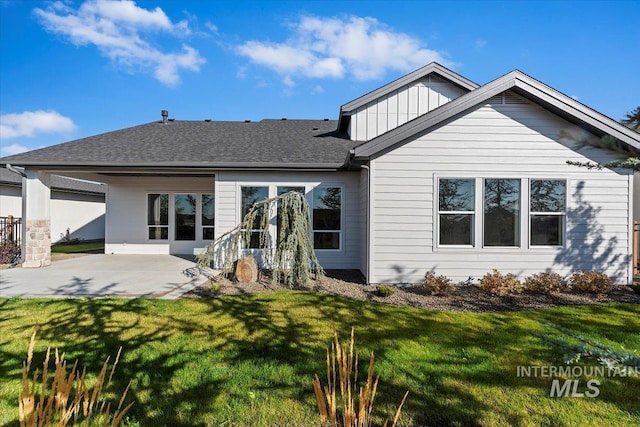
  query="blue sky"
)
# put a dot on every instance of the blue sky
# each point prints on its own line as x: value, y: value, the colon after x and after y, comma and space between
x: 70, y: 69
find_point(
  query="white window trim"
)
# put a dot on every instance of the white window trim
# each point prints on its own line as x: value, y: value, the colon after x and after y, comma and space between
x: 171, y: 216
x: 342, y: 215
x: 146, y: 211
x: 201, y: 228
x: 308, y: 191
x: 525, y: 214
x: 521, y: 228
x: 563, y: 214
x: 474, y: 213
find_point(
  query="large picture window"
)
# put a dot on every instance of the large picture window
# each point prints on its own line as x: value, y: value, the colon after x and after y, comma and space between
x: 327, y: 217
x: 249, y: 197
x: 158, y: 216
x: 456, y: 211
x: 501, y: 212
x: 548, y: 199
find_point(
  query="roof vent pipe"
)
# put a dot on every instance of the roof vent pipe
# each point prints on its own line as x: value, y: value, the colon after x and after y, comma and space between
x: 165, y: 116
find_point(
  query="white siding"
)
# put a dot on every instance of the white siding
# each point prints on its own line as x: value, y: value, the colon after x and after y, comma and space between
x: 401, y: 106
x: 228, y: 207
x: 82, y: 214
x: 126, y: 217
x: 127, y: 210
x: 510, y: 141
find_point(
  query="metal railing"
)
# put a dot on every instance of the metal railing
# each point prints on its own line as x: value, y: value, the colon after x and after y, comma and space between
x: 10, y: 229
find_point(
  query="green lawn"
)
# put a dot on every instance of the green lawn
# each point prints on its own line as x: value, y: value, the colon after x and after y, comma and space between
x: 75, y: 248
x: 249, y: 360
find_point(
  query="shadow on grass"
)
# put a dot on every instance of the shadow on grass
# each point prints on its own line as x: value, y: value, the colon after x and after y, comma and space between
x: 196, y: 362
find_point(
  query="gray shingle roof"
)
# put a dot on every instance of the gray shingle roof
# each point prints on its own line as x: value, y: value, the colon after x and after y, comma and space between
x: 264, y: 144
x: 57, y: 183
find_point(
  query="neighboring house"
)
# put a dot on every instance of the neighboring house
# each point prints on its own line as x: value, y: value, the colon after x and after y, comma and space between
x: 77, y: 206
x: 431, y: 172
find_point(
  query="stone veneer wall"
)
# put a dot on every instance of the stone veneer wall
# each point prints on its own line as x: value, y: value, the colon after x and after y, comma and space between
x: 37, y: 243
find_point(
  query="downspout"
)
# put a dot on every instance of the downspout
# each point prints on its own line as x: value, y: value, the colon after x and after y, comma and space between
x: 368, y: 231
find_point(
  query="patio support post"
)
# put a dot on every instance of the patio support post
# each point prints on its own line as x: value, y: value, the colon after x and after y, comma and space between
x: 36, y: 229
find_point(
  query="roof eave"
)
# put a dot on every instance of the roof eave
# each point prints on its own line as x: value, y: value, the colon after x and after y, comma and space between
x: 177, y: 166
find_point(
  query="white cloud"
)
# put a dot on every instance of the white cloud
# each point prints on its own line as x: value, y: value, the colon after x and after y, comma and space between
x: 12, y: 149
x: 212, y: 27
x: 31, y: 123
x: 480, y: 43
x: 362, y: 48
x: 288, y: 81
x: 116, y: 28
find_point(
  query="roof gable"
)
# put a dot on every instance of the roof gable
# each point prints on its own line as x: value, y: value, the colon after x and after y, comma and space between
x: 433, y: 67
x: 523, y: 85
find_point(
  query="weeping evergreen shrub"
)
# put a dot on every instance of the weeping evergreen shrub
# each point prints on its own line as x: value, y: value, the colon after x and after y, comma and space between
x: 293, y: 259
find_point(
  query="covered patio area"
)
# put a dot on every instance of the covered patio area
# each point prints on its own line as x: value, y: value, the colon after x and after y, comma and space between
x: 129, y: 276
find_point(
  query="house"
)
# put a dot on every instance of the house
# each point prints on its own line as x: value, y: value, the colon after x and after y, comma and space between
x: 77, y: 207
x: 431, y: 172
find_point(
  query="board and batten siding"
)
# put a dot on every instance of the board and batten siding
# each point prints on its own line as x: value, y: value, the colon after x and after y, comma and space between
x: 228, y: 206
x: 126, y: 229
x: 401, y: 106
x: 497, y: 141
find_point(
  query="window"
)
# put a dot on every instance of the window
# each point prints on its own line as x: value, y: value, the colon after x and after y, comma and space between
x: 281, y: 191
x: 501, y: 212
x: 249, y: 197
x: 327, y: 217
x: 185, y: 216
x: 158, y: 216
x: 456, y: 211
x: 208, y: 216
x: 547, y: 212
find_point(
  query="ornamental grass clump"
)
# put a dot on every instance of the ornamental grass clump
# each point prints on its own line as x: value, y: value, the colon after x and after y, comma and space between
x: 342, y: 402
x: 385, y: 291
x: 292, y: 260
x: 66, y: 400
x: 500, y: 284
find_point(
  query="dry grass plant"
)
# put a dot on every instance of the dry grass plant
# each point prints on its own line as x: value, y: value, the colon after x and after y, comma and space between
x: 435, y: 285
x: 67, y: 399
x: 590, y: 282
x: 353, y: 406
x: 544, y: 283
x: 500, y: 284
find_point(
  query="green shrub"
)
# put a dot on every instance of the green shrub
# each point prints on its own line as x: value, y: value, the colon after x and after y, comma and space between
x: 590, y: 282
x: 544, y: 283
x: 499, y: 284
x: 636, y: 288
x: 385, y: 291
x: 434, y: 285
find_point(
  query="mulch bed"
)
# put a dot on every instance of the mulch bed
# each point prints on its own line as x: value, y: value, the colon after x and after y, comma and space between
x: 471, y: 298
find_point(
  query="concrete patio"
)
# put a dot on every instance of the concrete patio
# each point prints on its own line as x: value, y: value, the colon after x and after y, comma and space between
x: 129, y: 276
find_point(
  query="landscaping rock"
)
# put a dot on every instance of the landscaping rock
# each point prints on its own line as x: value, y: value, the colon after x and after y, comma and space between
x: 247, y: 270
